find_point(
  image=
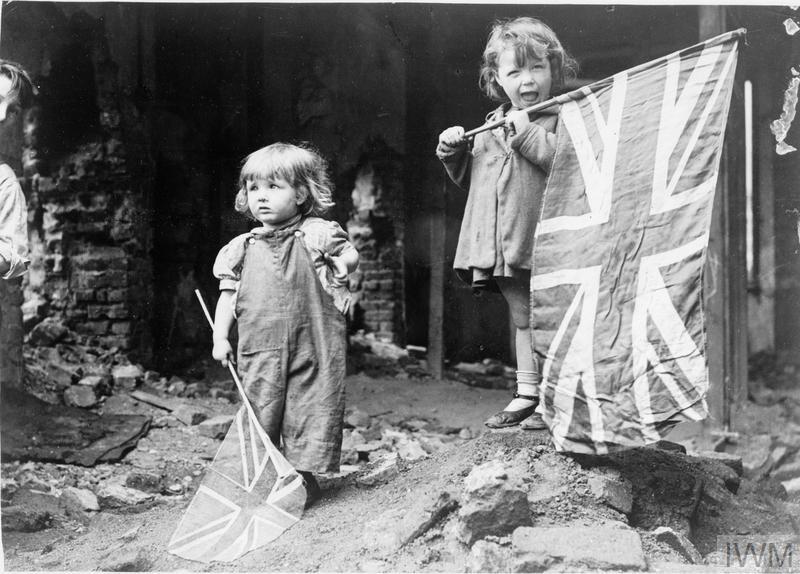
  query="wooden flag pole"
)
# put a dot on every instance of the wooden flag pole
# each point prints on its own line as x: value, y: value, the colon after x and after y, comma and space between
x: 283, y: 470
x: 583, y: 90
x: 497, y: 123
x: 230, y: 366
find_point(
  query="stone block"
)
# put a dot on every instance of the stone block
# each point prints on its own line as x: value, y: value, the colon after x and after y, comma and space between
x: 733, y: 461
x: 397, y: 527
x: 190, y: 415
x: 22, y: 519
x: 197, y: 389
x: 787, y: 471
x: 100, y: 259
x: 485, y: 556
x: 117, y: 295
x: 383, y: 470
x: 410, y: 449
x: 495, y: 502
x: 176, y: 385
x: 117, y: 496
x: 722, y: 471
x: 79, y: 504
x: 679, y: 543
x: 93, y: 327
x: 373, y: 566
x: 215, y: 427
x: 63, y: 374
x: 568, y: 548
x: 121, y: 327
x: 357, y: 418
x: 79, y: 499
x: 49, y: 332
x: 756, y: 452
x: 792, y: 486
x: 611, y: 489
x: 127, y: 377
x: 115, y: 311
x: 85, y: 295
x: 80, y: 396
x: 126, y: 560
x: 144, y: 481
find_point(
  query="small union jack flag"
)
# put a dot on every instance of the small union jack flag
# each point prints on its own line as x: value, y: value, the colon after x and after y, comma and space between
x: 248, y: 497
x: 620, y: 248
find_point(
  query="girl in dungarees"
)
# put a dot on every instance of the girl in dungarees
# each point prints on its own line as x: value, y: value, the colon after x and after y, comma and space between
x: 284, y: 285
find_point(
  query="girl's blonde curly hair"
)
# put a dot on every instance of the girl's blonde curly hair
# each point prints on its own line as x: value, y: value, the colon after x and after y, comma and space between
x: 530, y: 38
x: 300, y: 165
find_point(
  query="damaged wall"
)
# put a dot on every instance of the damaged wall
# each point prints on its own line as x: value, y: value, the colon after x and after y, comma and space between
x: 86, y: 172
x: 377, y: 229
x: 133, y: 152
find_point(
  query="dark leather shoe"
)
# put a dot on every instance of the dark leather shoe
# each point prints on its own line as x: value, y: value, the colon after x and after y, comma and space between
x: 313, y: 491
x: 534, y: 422
x: 505, y: 419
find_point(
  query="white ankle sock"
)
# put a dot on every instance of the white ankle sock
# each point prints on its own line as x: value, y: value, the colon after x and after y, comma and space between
x: 528, y: 385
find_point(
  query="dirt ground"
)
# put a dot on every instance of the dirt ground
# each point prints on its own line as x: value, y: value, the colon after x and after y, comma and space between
x: 338, y: 532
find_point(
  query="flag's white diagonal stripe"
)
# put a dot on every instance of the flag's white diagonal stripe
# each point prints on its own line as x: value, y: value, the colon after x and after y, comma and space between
x: 578, y: 362
x: 652, y: 300
x: 701, y: 125
x: 598, y: 179
x: 676, y: 116
x: 236, y: 548
x: 191, y: 539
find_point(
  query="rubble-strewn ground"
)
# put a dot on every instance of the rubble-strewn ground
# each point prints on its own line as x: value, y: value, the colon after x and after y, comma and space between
x: 424, y: 487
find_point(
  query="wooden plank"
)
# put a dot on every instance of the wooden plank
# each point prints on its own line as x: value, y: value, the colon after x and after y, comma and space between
x: 436, y: 295
x: 150, y: 399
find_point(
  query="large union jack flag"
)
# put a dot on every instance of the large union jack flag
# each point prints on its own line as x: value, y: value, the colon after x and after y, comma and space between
x: 620, y: 247
x: 249, y: 495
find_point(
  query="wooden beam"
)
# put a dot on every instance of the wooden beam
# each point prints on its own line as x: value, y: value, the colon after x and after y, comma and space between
x: 436, y: 294
x: 726, y: 270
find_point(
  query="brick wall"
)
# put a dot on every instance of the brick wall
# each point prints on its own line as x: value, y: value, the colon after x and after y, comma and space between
x: 376, y: 228
x: 94, y: 238
x: 87, y: 174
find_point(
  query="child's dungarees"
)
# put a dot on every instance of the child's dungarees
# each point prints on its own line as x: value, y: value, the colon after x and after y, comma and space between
x: 292, y: 349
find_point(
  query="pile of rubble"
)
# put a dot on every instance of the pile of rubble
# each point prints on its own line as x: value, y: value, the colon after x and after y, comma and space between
x: 187, y: 421
x: 522, y: 507
x: 376, y: 445
x: 64, y: 368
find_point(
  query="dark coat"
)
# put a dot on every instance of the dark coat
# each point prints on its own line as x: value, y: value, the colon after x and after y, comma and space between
x: 505, y: 179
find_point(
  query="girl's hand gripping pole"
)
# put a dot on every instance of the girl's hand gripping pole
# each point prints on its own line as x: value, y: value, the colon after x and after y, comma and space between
x: 230, y: 363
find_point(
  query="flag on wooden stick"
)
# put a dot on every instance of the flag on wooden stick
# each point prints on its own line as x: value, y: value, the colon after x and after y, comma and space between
x: 620, y: 248
x: 248, y: 496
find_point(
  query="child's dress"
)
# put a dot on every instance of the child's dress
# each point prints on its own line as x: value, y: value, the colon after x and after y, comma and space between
x: 291, y: 353
x: 506, y: 177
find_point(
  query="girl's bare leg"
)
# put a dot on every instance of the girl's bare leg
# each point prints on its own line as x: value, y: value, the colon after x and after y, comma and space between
x: 521, y: 406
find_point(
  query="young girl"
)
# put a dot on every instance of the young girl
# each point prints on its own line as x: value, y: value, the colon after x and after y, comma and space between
x: 283, y: 283
x: 505, y: 172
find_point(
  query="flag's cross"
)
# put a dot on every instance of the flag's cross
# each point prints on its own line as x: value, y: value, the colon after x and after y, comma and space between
x: 623, y: 250
x: 236, y: 495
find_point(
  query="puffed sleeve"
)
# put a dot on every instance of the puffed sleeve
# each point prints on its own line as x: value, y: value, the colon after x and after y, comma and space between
x: 228, y: 264
x: 13, y: 224
x: 337, y: 241
x: 321, y: 237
